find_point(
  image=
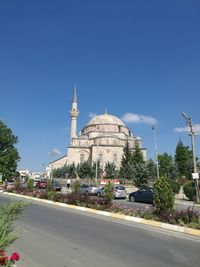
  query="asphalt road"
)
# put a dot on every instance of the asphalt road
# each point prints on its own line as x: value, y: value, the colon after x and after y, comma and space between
x: 58, y: 237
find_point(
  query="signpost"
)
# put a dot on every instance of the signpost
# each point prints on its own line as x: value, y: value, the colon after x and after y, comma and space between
x: 195, y: 175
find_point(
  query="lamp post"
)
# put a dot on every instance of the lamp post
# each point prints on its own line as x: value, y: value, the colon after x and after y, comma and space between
x: 156, y: 151
x: 192, y: 134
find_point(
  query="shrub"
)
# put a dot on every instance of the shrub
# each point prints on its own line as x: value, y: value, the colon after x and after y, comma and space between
x: 51, y: 195
x: 174, y: 185
x: 76, y: 187
x: 49, y: 187
x: 189, y: 190
x: 17, y: 183
x: 30, y: 184
x: 164, y: 197
x: 108, y: 192
x: 8, y: 214
x: 182, y: 217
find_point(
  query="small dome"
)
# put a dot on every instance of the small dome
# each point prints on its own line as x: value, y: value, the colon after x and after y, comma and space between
x: 105, y: 119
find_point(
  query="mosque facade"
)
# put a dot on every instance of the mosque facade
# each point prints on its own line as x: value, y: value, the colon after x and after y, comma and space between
x: 102, y: 139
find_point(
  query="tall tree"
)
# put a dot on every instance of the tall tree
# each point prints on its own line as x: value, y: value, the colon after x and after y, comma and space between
x: 139, y: 173
x: 71, y: 173
x: 166, y: 166
x: 9, y: 155
x: 84, y: 170
x: 96, y: 167
x: 126, y: 158
x: 183, y: 160
x: 151, y: 169
x: 110, y: 170
x: 136, y: 155
x: 65, y: 171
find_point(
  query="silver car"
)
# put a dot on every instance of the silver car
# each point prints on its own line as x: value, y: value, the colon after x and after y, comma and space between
x: 119, y: 191
x: 88, y: 189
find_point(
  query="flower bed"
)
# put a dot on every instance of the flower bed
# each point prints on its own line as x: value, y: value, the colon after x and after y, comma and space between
x: 189, y: 217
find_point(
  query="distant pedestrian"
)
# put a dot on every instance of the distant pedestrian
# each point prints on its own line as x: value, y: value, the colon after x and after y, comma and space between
x: 68, y: 183
x: 5, y: 184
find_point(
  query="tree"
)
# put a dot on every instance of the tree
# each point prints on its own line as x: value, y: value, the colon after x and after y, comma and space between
x: 110, y: 170
x: 126, y: 158
x: 139, y: 173
x: 84, y: 170
x: 164, y: 196
x: 71, y: 172
x: 9, y: 155
x: 166, y: 166
x: 136, y: 155
x: 183, y: 160
x: 66, y: 170
x: 138, y: 167
x: 99, y: 169
x: 151, y: 170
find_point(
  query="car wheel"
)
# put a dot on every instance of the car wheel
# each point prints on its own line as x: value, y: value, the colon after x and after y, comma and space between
x: 98, y: 194
x: 131, y: 199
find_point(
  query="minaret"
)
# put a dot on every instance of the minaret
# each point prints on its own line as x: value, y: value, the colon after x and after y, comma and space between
x: 74, y: 115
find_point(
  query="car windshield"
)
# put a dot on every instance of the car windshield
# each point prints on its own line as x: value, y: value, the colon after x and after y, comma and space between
x: 119, y: 187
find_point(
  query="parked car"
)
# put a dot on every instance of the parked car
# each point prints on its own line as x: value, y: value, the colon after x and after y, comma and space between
x: 119, y: 191
x: 57, y: 186
x: 100, y: 191
x: 41, y: 184
x: 36, y: 180
x: 88, y: 189
x: 145, y: 195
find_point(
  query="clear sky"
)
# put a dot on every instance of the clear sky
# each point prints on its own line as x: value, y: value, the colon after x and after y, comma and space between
x: 139, y: 59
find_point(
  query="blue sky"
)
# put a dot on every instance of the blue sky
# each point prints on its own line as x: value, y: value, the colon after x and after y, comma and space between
x: 139, y: 59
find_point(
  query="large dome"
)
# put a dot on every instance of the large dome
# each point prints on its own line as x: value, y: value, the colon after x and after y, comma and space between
x: 105, y: 119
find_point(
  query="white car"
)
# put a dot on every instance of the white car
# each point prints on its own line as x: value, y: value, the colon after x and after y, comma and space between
x: 119, y: 191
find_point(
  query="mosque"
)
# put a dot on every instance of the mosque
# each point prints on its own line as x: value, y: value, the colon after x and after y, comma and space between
x: 102, y: 139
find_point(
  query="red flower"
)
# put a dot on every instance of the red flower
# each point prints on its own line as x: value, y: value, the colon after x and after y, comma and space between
x: 3, y: 257
x: 15, y: 256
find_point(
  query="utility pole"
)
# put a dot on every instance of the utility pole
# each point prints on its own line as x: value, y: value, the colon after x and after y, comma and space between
x: 192, y: 134
x: 156, y: 151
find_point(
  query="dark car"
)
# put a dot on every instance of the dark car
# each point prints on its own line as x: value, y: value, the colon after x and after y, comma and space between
x: 57, y: 186
x: 145, y: 195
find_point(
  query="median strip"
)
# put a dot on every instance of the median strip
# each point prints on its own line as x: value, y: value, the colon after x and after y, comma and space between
x: 176, y: 228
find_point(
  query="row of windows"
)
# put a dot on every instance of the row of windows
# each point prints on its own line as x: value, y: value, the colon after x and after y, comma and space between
x: 100, y: 158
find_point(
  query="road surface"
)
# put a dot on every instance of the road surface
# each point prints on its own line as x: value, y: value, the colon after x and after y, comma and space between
x: 52, y: 236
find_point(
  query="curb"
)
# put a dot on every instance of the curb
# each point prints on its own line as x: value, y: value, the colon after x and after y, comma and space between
x: 176, y: 228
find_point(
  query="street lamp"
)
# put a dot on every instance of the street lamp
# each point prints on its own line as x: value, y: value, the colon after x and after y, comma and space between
x: 156, y: 151
x: 192, y: 134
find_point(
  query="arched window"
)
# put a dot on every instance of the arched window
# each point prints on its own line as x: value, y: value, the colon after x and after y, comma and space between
x: 115, y: 159
x: 81, y: 158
